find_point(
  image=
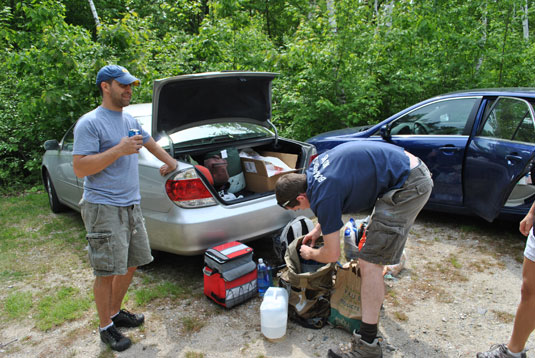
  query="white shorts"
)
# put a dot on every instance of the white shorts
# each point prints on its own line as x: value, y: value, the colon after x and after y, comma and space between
x: 529, y: 251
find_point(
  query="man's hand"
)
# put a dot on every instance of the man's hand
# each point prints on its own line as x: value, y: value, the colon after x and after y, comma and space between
x: 166, y: 169
x: 130, y: 145
x: 306, y: 252
x: 329, y: 252
x: 312, y: 236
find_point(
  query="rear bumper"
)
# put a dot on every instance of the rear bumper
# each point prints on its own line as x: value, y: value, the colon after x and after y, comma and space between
x: 191, y: 231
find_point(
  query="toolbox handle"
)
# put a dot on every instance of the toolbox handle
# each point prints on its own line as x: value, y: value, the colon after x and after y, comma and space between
x: 208, y: 271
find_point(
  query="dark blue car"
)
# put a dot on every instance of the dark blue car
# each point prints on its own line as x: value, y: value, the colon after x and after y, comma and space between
x: 478, y: 144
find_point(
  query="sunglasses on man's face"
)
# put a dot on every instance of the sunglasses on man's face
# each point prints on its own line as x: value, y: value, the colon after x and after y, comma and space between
x: 285, y: 204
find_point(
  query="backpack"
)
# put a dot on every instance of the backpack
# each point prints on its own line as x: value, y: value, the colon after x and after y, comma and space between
x: 227, y: 170
x: 300, y: 226
x: 218, y: 168
x: 309, y: 293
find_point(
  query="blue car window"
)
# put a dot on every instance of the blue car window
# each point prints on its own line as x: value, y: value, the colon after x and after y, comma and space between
x: 510, y: 119
x: 446, y: 117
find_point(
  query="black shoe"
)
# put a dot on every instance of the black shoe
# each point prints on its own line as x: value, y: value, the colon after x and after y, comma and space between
x: 113, y: 338
x: 127, y: 319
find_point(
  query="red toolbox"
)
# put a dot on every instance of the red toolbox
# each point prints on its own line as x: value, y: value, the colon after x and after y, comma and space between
x: 230, y: 274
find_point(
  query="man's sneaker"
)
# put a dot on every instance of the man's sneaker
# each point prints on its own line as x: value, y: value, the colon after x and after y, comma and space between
x: 498, y: 351
x: 113, y: 338
x: 359, y: 349
x: 128, y: 319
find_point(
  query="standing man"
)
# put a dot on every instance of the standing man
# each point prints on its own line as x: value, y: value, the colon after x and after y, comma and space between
x: 349, y: 178
x: 525, y: 313
x: 108, y: 159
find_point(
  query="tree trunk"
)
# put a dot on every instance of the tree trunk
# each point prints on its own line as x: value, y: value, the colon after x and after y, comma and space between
x: 332, y: 15
x: 94, y: 12
x: 507, y: 21
x: 525, y: 22
x: 483, y: 37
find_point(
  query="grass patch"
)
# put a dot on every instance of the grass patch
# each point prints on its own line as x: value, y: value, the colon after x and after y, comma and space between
x: 192, y: 324
x: 504, y: 317
x: 29, y: 231
x: 194, y: 355
x: 18, y: 304
x: 165, y: 289
x: 454, y: 262
x: 401, y: 316
x: 107, y: 353
x: 65, y: 305
x: 12, y: 274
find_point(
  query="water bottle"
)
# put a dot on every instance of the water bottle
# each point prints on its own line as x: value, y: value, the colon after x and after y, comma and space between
x: 270, y: 274
x: 350, y: 244
x: 274, y: 313
x: 263, y: 277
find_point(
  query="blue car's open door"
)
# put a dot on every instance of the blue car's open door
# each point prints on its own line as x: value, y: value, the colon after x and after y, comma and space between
x: 498, y: 156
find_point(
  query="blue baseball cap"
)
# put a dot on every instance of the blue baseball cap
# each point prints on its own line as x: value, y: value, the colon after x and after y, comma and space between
x: 118, y: 73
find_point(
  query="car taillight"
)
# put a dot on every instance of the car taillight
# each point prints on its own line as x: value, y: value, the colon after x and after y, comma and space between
x: 312, y: 157
x: 186, y: 189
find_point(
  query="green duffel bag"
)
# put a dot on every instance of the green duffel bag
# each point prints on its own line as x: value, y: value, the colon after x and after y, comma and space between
x: 308, y: 292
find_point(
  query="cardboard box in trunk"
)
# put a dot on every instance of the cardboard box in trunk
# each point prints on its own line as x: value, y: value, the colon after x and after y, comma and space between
x: 256, y: 174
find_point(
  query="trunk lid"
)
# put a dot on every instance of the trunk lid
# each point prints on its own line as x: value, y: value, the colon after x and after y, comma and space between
x: 187, y: 101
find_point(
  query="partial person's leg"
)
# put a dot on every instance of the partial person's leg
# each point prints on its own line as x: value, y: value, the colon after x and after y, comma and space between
x: 372, y: 291
x: 525, y: 314
x: 119, y: 288
x: 102, y: 289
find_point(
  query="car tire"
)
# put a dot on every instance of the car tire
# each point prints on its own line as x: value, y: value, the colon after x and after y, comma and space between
x: 53, y: 200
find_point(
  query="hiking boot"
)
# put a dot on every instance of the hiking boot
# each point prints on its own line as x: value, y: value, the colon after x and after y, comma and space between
x: 498, y: 351
x: 128, y: 319
x: 115, y: 339
x: 359, y: 349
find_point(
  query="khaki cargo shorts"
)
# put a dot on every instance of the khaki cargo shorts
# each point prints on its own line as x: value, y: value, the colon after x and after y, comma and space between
x: 392, y: 218
x: 116, y: 236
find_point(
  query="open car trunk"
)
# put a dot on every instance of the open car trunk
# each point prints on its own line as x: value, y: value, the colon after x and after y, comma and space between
x: 248, y: 177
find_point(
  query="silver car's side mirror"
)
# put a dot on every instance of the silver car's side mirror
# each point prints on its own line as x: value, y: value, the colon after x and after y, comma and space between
x: 51, y: 144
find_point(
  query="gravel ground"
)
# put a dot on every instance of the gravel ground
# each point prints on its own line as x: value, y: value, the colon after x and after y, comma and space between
x: 456, y: 296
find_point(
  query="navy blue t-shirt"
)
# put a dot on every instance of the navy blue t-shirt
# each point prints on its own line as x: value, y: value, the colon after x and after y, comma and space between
x: 350, y: 177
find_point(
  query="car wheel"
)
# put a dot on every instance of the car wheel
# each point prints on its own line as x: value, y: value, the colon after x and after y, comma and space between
x: 53, y: 200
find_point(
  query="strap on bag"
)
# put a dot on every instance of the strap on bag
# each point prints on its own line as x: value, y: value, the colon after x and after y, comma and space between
x: 218, y: 299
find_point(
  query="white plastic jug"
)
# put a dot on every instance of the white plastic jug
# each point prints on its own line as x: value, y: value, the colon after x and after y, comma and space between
x: 274, y: 313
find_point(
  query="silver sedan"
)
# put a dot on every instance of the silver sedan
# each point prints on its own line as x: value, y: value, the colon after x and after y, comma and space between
x: 193, y: 117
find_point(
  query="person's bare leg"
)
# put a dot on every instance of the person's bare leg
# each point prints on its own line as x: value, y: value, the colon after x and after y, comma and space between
x: 372, y: 291
x: 119, y: 288
x: 102, y: 289
x: 525, y: 313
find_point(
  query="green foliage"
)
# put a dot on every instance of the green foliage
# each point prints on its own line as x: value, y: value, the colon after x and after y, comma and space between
x: 340, y: 66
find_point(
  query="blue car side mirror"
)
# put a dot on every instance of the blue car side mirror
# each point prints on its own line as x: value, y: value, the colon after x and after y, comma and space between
x: 385, y: 132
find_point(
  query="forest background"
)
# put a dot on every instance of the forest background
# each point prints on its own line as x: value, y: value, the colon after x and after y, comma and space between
x: 342, y: 63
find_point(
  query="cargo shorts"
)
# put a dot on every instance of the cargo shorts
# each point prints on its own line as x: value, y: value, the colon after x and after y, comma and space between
x: 393, y: 215
x: 116, y: 236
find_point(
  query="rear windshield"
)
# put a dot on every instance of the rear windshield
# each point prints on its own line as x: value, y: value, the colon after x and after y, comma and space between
x: 225, y: 132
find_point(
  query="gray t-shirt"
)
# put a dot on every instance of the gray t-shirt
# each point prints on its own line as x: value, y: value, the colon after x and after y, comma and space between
x: 96, y: 132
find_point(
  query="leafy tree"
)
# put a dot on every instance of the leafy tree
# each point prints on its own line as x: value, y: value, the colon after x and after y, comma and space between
x: 43, y: 79
x: 342, y: 63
